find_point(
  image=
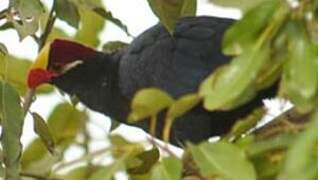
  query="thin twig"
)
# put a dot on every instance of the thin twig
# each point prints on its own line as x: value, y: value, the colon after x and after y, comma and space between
x: 3, y: 14
x: 164, y: 147
x: 81, y: 159
x: 36, y: 176
x: 28, y: 99
x: 278, y: 124
x: 48, y: 27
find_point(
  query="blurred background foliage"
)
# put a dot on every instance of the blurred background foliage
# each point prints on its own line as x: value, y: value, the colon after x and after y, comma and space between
x: 274, y: 40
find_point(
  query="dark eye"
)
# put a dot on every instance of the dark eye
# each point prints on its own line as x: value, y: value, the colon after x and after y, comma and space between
x: 56, y: 67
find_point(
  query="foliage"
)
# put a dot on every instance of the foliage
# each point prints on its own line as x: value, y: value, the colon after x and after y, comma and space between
x: 274, y: 41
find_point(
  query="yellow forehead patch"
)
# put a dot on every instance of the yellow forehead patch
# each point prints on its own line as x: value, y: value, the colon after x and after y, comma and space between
x: 43, y: 58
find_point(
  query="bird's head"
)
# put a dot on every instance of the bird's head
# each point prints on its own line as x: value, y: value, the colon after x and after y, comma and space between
x: 55, y: 59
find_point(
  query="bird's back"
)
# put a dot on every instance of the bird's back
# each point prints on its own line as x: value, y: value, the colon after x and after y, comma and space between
x: 177, y: 63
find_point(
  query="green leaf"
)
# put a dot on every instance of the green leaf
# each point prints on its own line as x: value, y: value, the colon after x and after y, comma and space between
x: 67, y: 11
x: 91, y: 25
x: 121, y: 147
x: 81, y: 173
x: 242, y: 126
x: 15, y: 71
x: 189, y: 8
x: 268, y: 165
x: 97, y: 7
x: 68, y: 118
x: 109, y: 16
x: 37, y: 159
x: 11, y: 115
x: 243, y: 5
x: 301, y: 158
x: 147, y: 160
x: 279, y: 142
x: 65, y: 123
x: 57, y: 33
x: 222, y: 160
x: 232, y: 85
x: 29, y: 14
x: 43, y: 131
x: 148, y: 102
x: 183, y: 105
x: 300, y: 75
x: 169, y: 12
x: 122, y: 151
x: 140, y: 176
x: 177, y: 109
x: 107, y: 172
x: 236, y: 40
x: 167, y: 169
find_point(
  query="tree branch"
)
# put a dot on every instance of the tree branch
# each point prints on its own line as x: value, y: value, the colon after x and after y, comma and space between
x: 36, y: 176
x: 28, y: 99
x: 289, y: 121
x: 81, y: 159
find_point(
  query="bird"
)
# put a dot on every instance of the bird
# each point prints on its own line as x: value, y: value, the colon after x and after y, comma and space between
x: 175, y: 63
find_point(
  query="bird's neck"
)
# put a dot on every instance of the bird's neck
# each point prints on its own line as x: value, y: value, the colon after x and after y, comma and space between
x: 95, y: 83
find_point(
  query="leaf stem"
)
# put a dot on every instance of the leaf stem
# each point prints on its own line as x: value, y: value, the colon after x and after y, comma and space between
x: 153, y: 124
x: 167, y: 129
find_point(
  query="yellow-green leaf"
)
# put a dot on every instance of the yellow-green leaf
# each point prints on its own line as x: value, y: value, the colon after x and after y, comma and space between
x: 91, y: 25
x: 67, y: 11
x: 300, y: 75
x: 301, y: 159
x: 232, y: 85
x: 243, y: 5
x: 167, y: 169
x: 148, y: 102
x: 29, y: 14
x: 247, y: 123
x: 236, y: 38
x: 43, y: 131
x: 183, y: 105
x: 11, y: 116
x: 67, y: 118
x: 107, y: 172
x: 65, y: 123
x: 222, y: 160
x: 147, y: 159
x: 37, y: 159
x: 169, y: 11
x: 109, y: 16
x: 81, y: 173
